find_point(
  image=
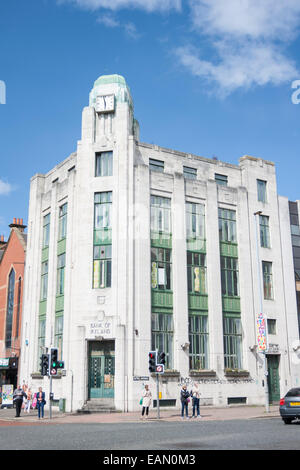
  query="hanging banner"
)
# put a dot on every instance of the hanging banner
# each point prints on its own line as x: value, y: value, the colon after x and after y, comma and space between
x: 261, y: 329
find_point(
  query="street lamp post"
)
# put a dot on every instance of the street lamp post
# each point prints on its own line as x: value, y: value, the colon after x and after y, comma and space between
x: 263, y: 352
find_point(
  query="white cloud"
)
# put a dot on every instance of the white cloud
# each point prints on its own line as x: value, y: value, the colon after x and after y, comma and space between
x: 239, y: 67
x: 108, y: 20
x: 269, y: 19
x: 5, y: 188
x: 148, y: 5
x: 249, y: 39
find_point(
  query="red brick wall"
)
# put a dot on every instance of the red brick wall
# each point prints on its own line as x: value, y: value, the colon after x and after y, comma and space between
x: 13, y: 257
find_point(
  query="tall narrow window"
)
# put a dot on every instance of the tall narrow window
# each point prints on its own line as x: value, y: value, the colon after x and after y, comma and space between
x: 102, y: 241
x: 229, y: 276
x: 10, y: 308
x: 46, y: 230
x: 264, y: 231
x: 262, y: 191
x: 227, y: 225
x: 104, y: 164
x: 61, y: 263
x: 41, y: 336
x: 161, y: 264
x: 267, y: 280
x: 18, y: 306
x: 160, y: 214
x: 44, y: 281
x: 196, y: 268
x: 198, y: 338
x: 62, y: 222
x: 232, y: 343
x: 162, y: 335
x: 195, y: 221
x: 58, y: 335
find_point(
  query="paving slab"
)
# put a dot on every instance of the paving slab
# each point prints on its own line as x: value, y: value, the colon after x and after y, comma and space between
x: 207, y: 414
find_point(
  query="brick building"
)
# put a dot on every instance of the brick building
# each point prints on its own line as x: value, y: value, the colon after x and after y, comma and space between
x: 12, y: 260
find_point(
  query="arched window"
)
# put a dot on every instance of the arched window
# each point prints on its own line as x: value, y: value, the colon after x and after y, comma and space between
x: 10, y: 308
x: 18, y: 306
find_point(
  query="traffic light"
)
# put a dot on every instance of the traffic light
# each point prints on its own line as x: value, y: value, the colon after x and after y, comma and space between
x: 53, y: 361
x: 45, y: 364
x: 162, y: 358
x: 152, y: 361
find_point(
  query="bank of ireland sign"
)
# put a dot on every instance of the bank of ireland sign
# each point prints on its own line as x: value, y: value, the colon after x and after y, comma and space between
x: 261, y: 330
x: 101, y: 328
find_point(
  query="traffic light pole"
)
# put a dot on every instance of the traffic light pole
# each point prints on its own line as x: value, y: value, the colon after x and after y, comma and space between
x: 157, y: 394
x: 50, y: 395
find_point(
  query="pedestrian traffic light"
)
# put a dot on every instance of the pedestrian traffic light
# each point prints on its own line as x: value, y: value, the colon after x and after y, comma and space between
x: 152, y: 361
x: 53, y: 361
x: 44, y: 364
x: 162, y: 358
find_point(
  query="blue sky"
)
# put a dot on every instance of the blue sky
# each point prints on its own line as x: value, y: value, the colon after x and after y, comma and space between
x: 210, y: 77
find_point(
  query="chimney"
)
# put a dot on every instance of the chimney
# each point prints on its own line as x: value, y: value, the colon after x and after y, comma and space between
x: 18, y: 223
x: 2, y: 242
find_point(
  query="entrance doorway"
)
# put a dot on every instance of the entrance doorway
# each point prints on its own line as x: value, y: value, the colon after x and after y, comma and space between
x: 101, y: 369
x: 273, y: 378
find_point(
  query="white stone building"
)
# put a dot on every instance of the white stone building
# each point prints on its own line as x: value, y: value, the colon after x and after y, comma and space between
x: 133, y: 247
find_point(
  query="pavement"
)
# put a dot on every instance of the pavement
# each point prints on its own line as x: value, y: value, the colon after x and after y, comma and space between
x: 208, y: 413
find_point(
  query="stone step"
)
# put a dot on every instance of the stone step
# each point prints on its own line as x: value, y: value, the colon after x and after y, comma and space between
x: 98, y: 405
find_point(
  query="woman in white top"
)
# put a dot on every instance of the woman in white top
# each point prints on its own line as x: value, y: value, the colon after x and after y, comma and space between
x: 147, y: 398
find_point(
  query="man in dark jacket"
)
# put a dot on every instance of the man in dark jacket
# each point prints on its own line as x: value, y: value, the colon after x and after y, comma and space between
x: 184, y: 397
x: 19, y: 394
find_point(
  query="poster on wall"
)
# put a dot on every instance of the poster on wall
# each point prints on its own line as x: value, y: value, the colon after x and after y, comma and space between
x: 7, y: 395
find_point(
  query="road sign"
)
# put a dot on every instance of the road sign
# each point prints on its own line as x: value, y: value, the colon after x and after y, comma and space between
x: 141, y: 378
x: 160, y: 369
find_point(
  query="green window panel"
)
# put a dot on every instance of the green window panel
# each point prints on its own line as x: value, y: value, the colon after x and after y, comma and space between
x: 196, y: 244
x: 43, y: 307
x: 103, y: 236
x: 231, y: 304
x: 229, y: 249
x: 161, y: 240
x: 59, y: 303
x: 61, y: 246
x: 45, y: 254
x: 162, y: 299
x: 198, y: 302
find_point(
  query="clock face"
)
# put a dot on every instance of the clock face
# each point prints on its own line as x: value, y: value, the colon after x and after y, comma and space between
x: 105, y: 103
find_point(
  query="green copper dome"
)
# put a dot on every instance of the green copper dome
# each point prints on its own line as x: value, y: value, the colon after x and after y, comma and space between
x: 119, y: 85
x: 108, y: 79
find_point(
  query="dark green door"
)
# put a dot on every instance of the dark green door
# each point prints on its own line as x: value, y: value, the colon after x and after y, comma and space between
x: 101, y: 370
x: 273, y: 378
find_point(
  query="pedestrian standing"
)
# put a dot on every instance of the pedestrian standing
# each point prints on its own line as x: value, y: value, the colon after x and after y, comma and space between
x: 18, y: 398
x: 184, y: 398
x: 40, y: 403
x: 28, y: 403
x: 147, y: 398
x: 195, y: 394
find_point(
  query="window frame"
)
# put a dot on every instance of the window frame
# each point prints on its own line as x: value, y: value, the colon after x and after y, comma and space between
x: 104, y: 164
